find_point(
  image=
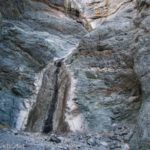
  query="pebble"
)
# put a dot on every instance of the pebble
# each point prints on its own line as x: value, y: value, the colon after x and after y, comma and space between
x: 91, y: 141
x: 54, y: 139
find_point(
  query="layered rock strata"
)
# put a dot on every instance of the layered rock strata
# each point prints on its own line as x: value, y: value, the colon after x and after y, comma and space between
x: 70, y: 65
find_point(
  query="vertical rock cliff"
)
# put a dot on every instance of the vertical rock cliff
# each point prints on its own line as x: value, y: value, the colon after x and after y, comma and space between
x: 142, y: 69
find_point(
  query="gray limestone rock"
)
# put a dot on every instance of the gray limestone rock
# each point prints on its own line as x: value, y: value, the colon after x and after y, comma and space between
x: 57, y: 2
x: 107, y: 88
x: 142, y: 69
x: 57, y: 76
x: 12, y: 9
x: 0, y: 26
x: 28, y: 45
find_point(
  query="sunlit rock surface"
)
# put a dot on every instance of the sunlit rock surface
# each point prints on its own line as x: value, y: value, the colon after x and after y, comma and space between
x: 79, y: 66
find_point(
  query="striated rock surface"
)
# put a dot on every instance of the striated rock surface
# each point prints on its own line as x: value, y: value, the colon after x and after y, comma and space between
x: 95, y: 12
x: 142, y: 69
x: 75, y: 65
x: 28, y: 45
x: 107, y: 89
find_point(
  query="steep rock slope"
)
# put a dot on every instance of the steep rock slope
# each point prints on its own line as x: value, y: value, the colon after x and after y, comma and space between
x: 142, y: 69
x: 108, y: 90
x: 28, y: 44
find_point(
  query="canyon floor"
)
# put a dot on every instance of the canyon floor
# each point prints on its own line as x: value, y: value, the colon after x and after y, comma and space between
x: 16, y: 140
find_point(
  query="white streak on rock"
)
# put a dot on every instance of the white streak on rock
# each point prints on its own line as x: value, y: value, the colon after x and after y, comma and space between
x: 28, y: 103
x: 73, y: 117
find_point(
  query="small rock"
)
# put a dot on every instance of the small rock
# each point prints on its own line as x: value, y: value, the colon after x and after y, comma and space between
x: 102, y: 148
x: 15, y: 132
x: 65, y: 148
x: 62, y: 147
x: 104, y: 143
x: 54, y: 139
x: 26, y: 145
x: 125, y: 147
x: 91, y: 141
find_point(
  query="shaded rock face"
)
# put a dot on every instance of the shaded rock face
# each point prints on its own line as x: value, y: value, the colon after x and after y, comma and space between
x: 57, y: 2
x: 28, y: 44
x: 108, y: 90
x: 0, y: 24
x: 49, y: 112
x: 57, y: 76
x: 12, y: 8
x: 48, y: 99
x: 142, y: 69
x: 94, y: 12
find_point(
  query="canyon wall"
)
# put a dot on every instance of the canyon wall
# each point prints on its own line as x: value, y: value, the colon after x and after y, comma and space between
x: 70, y: 65
x: 142, y: 69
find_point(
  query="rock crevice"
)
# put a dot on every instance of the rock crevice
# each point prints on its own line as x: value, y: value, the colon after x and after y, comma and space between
x: 55, y: 109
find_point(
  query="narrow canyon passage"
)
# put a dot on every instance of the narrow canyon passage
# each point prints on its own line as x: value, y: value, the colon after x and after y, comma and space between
x: 76, y: 66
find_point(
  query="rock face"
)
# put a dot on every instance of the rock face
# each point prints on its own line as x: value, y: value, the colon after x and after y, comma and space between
x: 0, y: 25
x: 142, y: 69
x: 39, y: 37
x: 70, y: 65
x: 107, y: 89
x: 93, y: 12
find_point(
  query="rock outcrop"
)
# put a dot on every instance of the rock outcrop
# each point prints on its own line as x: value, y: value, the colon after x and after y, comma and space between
x: 142, y: 69
x: 70, y: 65
x: 30, y: 43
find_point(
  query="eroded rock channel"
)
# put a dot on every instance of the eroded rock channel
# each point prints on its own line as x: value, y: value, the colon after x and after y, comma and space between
x: 49, y: 113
